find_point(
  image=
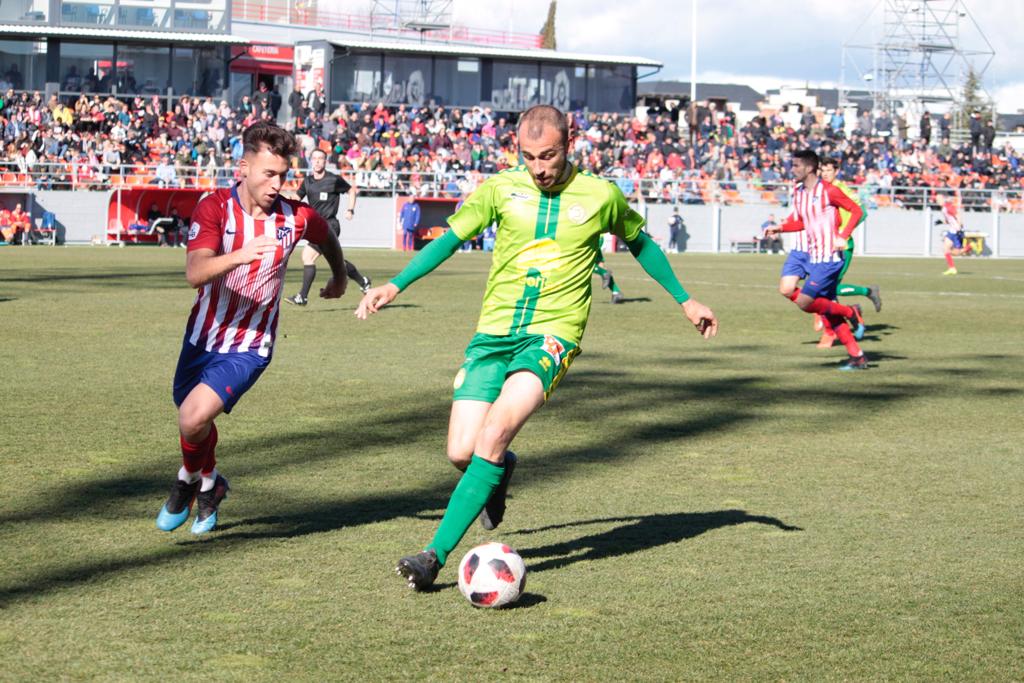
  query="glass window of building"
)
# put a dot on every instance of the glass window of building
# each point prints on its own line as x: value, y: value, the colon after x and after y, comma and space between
x: 611, y: 89
x: 406, y: 80
x: 92, y: 13
x: 200, y: 15
x: 143, y: 69
x: 86, y: 67
x: 22, y: 65
x: 143, y: 13
x: 514, y: 85
x: 357, y: 78
x: 198, y: 71
x: 456, y: 81
x: 20, y: 11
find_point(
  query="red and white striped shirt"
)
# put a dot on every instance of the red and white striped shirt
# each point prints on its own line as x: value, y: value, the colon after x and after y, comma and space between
x: 816, y: 217
x: 238, y: 312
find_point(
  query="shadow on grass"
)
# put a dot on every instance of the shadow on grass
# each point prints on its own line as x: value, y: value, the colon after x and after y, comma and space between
x: 640, y: 533
x: 723, y: 404
x: 633, y: 300
x: 99, y: 278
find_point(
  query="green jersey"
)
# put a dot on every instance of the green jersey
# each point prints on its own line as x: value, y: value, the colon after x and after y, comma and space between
x: 545, y: 249
x: 844, y: 215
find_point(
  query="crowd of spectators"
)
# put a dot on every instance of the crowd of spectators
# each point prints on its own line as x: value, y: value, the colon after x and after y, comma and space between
x: 94, y: 141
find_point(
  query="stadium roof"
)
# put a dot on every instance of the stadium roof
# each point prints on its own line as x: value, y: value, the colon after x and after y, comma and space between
x: 744, y: 95
x: 46, y: 31
x: 829, y: 97
x: 474, y: 51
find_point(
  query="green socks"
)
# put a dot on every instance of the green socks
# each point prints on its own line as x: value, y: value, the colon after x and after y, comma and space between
x: 603, y: 272
x: 852, y: 290
x: 471, y: 494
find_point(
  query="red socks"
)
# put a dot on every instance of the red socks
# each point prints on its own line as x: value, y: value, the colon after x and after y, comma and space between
x: 949, y: 260
x: 844, y: 335
x: 200, y: 457
x: 825, y: 307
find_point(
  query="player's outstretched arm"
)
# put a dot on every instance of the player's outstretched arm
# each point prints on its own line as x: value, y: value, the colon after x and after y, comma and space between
x: 376, y: 299
x: 203, y: 265
x: 435, y: 253
x: 649, y: 255
x: 702, y: 317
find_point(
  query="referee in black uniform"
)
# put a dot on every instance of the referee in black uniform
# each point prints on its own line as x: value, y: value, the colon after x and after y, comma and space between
x: 323, y: 190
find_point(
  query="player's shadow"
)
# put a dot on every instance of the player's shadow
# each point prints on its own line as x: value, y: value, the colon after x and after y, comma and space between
x: 633, y: 300
x: 352, y: 307
x: 639, y: 533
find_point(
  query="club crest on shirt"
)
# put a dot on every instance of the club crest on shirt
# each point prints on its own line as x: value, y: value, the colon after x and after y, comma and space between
x: 284, y: 234
x: 577, y: 214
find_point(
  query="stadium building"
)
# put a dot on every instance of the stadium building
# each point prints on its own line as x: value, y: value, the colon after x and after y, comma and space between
x: 224, y: 50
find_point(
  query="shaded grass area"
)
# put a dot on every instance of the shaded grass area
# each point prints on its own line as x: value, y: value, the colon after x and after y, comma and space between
x: 687, y: 510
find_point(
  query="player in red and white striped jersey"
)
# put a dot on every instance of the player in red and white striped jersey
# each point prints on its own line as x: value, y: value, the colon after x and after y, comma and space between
x: 238, y: 248
x: 815, y: 214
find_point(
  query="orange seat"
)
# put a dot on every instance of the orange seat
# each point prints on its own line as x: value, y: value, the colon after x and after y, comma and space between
x: 883, y: 200
x: 115, y: 180
x: 769, y: 197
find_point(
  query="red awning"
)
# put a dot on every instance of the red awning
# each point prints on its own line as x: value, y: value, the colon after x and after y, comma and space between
x: 265, y: 59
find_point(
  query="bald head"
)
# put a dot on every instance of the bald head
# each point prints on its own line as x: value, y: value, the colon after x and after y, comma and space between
x: 535, y: 119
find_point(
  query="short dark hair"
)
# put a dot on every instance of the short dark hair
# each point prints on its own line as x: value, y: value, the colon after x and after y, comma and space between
x: 533, y: 120
x: 808, y: 156
x: 317, y: 150
x: 831, y: 162
x: 264, y: 133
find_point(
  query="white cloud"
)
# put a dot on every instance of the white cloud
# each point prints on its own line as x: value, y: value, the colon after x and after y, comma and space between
x: 790, y: 41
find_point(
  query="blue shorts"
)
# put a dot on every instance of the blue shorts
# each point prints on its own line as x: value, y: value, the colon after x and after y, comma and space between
x: 228, y: 374
x: 797, y: 263
x: 822, y: 280
x: 954, y: 237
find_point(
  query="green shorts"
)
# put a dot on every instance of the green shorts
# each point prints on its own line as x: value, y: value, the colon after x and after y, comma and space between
x: 847, y: 258
x: 491, y: 358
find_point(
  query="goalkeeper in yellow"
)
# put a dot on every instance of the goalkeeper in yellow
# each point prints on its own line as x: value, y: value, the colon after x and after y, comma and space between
x: 550, y: 217
x: 829, y: 169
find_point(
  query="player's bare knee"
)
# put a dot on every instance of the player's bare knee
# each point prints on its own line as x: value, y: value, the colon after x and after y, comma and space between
x: 492, y: 441
x: 459, y: 455
x: 192, y: 425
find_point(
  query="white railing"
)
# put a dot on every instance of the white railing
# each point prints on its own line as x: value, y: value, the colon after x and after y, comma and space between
x: 80, y: 176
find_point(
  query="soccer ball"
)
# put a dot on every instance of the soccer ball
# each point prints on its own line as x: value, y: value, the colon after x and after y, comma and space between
x: 492, y: 575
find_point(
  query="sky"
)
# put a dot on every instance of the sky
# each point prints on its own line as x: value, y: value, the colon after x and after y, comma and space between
x: 765, y: 45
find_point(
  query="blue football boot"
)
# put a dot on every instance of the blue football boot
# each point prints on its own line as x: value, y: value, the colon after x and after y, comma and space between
x: 178, y: 506
x: 857, y: 322
x: 206, y: 506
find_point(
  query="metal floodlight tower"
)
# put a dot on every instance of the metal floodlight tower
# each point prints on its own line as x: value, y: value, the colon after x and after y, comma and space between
x: 919, y: 54
x: 387, y: 16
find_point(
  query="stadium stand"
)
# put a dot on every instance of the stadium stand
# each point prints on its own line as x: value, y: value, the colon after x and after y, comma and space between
x: 96, y: 143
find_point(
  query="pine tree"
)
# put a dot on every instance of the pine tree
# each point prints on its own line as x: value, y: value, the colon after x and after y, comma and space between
x: 971, y: 100
x: 547, y: 32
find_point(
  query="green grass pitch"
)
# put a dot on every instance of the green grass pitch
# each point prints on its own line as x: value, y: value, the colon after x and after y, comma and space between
x: 688, y: 510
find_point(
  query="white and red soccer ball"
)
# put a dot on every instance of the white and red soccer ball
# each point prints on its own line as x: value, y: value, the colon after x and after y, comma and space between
x: 492, y: 575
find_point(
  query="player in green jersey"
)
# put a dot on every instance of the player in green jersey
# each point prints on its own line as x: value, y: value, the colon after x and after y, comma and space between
x: 536, y: 304
x: 829, y: 169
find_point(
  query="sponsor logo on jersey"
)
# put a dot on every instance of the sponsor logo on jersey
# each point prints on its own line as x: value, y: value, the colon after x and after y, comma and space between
x: 193, y: 231
x: 554, y: 348
x: 519, y: 195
